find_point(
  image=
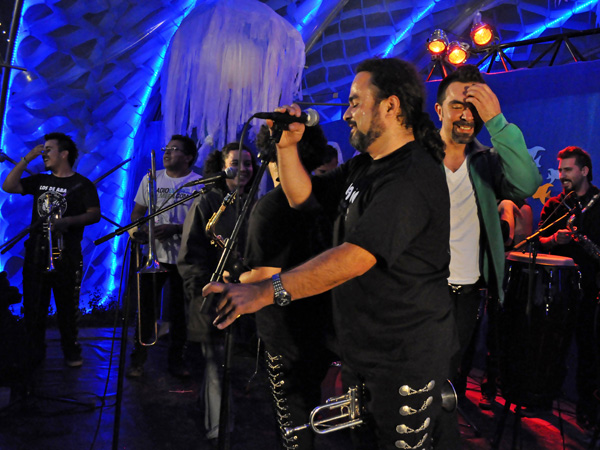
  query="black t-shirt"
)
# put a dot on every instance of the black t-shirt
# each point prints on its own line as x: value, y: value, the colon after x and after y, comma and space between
x: 587, y: 224
x: 283, y: 237
x: 398, y: 209
x: 76, y: 194
x: 198, y: 257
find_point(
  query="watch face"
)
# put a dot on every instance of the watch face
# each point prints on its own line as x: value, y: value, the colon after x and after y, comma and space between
x: 281, y: 296
x: 283, y: 299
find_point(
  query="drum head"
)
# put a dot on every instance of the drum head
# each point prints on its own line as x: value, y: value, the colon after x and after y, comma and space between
x: 542, y: 259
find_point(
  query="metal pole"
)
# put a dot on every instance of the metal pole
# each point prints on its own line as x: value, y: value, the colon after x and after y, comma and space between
x: 12, y: 37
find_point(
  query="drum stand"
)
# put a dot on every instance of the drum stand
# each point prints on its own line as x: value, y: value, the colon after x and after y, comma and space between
x: 516, y: 426
x: 470, y: 423
x: 519, y: 392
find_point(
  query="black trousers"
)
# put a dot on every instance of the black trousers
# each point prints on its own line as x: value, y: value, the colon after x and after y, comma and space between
x: 150, y: 288
x: 402, y: 410
x: 466, y: 301
x: 38, y: 284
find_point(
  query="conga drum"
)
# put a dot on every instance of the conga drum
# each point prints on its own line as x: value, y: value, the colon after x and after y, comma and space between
x: 535, y: 328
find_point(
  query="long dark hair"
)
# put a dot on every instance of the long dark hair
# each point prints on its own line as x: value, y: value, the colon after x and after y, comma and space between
x: 215, y: 163
x: 393, y: 76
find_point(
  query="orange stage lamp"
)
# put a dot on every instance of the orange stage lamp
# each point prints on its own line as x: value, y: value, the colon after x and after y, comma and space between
x: 482, y: 34
x: 437, y: 43
x: 458, y: 53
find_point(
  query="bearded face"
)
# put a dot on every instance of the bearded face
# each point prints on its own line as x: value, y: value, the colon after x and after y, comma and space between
x: 362, y: 140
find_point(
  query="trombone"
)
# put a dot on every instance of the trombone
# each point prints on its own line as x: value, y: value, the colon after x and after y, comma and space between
x: 149, y: 326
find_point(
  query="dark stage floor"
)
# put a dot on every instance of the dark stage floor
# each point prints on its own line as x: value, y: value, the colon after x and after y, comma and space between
x: 75, y: 408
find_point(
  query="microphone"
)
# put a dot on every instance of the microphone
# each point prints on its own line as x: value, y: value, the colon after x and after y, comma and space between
x: 309, y: 117
x: 227, y: 173
x: 590, y: 203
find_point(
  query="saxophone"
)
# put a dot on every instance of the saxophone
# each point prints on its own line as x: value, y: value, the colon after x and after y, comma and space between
x: 235, y: 265
x: 216, y: 239
x: 585, y: 242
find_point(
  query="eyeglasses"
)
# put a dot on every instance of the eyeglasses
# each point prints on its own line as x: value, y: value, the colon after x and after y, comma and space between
x: 170, y: 149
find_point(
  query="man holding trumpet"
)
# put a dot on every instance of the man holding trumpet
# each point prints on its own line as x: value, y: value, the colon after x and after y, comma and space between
x: 64, y: 202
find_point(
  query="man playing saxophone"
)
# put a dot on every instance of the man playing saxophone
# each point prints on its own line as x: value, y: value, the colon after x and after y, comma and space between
x: 64, y: 202
x: 178, y: 158
x: 575, y: 170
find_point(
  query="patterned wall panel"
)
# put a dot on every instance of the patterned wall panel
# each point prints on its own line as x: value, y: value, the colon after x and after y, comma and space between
x: 90, y: 68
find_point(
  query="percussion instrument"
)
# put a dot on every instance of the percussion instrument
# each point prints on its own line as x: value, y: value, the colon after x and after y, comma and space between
x: 535, y: 328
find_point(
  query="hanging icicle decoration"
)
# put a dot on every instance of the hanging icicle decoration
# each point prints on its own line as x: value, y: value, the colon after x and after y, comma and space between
x: 228, y: 60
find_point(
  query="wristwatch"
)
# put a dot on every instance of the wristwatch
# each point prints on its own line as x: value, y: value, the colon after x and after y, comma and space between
x: 281, y: 297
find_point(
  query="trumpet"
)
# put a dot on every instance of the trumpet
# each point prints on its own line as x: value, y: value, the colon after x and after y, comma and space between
x: 149, y: 326
x: 346, y: 411
x: 53, y: 205
x: 345, y: 407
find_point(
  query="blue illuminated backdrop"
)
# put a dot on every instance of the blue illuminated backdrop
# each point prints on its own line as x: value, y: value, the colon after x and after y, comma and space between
x: 91, y: 67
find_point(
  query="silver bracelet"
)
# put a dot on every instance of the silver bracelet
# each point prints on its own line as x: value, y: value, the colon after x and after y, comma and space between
x: 25, y: 159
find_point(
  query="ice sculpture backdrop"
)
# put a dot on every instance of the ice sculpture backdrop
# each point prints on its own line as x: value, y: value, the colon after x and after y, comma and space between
x: 92, y: 68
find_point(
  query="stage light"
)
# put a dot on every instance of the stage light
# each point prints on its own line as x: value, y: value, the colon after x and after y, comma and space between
x: 458, y: 52
x: 482, y: 34
x: 437, y: 43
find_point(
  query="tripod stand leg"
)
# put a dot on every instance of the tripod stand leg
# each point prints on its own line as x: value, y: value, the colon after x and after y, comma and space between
x: 122, y: 356
x: 470, y: 423
x: 517, y: 428
x: 500, y: 429
x: 223, y: 442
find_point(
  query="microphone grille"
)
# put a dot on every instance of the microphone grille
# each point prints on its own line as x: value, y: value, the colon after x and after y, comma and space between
x: 230, y: 172
x: 312, y: 117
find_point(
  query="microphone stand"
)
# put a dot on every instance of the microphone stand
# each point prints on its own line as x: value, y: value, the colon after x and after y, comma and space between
x: 208, y: 302
x: 536, y: 235
x: 145, y: 219
x: 124, y: 326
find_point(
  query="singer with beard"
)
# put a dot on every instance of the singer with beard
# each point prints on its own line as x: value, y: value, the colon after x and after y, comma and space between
x: 77, y: 199
x: 388, y: 267
x: 477, y: 177
x: 198, y: 258
x: 575, y: 170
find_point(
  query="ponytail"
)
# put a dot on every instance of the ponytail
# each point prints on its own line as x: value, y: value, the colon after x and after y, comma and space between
x: 428, y: 136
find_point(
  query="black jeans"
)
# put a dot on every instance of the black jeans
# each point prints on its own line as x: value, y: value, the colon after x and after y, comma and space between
x: 150, y: 287
x: 466, y: 301
x: 38, y: 284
